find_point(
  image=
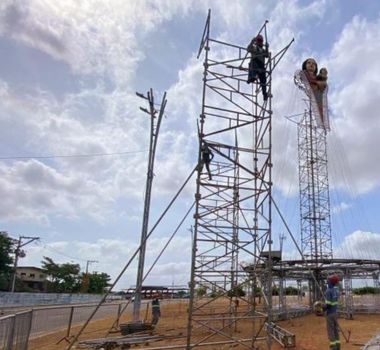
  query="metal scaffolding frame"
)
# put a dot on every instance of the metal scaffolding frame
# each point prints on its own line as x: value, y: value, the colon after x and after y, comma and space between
x: 302, y: 271
x: 233, y: 202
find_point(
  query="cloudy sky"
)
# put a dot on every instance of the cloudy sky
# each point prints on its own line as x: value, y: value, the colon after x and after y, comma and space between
x: 73, y: 142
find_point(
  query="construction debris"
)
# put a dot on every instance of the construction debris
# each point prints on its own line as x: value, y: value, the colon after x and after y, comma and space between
x: 373, y: 344
x: 122, y: 342
x: 281, y: 335
x: 135, y: 327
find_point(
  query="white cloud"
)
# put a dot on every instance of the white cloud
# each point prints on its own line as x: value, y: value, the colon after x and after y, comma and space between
x: 93, y: 38
x: 54, y: 129
x: 359, y: 245
x: 174, y: 272
x: 355, y: 75
x: 33, y: 191
x: 296, y: 17
x: 111, y: 255
x: 342, y: 206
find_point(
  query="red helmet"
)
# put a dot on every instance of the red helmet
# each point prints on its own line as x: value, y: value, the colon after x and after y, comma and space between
x: 333, y: 279
x: 259, y: 38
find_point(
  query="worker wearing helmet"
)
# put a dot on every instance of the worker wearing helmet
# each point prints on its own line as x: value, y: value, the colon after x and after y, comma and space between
x: 206, y: 157
x: 256, y: 68
x: 331, y: 301
x: 156, y: 312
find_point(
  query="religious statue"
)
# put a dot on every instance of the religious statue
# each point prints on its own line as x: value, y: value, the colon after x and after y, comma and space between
x: 314, y: 84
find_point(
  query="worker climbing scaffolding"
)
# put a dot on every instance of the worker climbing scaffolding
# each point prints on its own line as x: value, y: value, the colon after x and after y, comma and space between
x: 235, y: 124
x: 259, y: 52
x: 206, y: 157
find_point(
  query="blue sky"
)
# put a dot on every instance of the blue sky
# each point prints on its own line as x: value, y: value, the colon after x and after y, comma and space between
x: 68, y: 76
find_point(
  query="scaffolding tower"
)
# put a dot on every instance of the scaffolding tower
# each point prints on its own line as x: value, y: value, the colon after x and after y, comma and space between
x: 233, y: 202
x: 316, y: 242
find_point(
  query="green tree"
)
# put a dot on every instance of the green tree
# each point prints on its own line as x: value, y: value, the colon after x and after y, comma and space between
x: 201, y: 291
x: 365, y: 290
x: 7, y: 247
x: 98, y: 282
x: 236, y: 292
x: 291, y: 290
x: 181, y: 293
x: 63, y: 278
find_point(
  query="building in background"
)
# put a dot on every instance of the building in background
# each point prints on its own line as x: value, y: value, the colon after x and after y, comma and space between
x: 32, y: 277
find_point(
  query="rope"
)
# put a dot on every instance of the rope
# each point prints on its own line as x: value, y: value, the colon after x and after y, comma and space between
x: 340, y: 169
x: 130, y: 261
x: 154, y: 263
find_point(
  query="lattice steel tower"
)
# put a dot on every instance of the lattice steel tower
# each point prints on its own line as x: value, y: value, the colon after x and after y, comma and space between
x: 233, y: 204
x: 314, y: 190
x: 316, y: 242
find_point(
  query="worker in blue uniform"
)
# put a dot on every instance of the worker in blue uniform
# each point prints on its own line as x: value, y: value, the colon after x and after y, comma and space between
x: 331, y: 307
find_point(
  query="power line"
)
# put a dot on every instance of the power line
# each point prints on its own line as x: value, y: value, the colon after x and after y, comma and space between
x: 72, y: 155
x: 63, y: 254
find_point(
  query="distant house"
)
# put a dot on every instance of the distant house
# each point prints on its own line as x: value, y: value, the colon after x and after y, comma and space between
x: 33, y: 277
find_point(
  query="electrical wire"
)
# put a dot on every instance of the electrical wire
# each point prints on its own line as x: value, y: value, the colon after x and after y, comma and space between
x: 153, y: 264
x: 287, y: 199
x: 73, y: 155
x: 60, y: 253
x: 341, y: 169
x: 74, y: 340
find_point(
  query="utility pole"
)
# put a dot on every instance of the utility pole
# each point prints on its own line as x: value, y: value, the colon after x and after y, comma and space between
x: 88, y: 263
x: 20, y: 253
x: 85, y: 278
x: 155, y: 123
x: 282, y: 238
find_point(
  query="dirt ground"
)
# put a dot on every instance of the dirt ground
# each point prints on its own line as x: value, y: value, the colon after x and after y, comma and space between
x: 310, y: 331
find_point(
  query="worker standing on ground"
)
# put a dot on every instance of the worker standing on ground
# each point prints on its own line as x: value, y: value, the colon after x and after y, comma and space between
x: 256, y: 68
x: 206, y: 157
x: 331, y: 301
x: 156, y: 311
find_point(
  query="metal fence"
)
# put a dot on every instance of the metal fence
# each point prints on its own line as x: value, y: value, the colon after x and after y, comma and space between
x: 17, y: 329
